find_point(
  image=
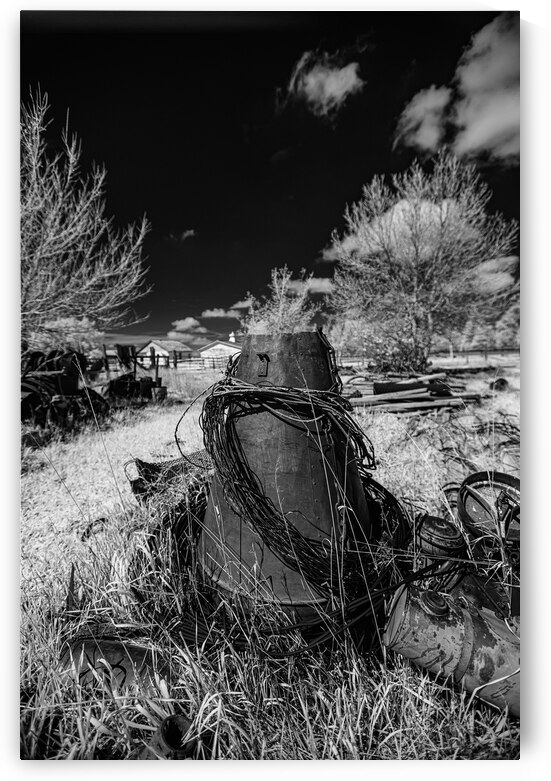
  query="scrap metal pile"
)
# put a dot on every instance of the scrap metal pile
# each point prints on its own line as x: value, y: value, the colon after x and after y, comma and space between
x: 290, y: 487
x: 417, y: 395
x: 53, y: 392
x: 56, y: 389
x: 127, y: 389
x: 280, y: 511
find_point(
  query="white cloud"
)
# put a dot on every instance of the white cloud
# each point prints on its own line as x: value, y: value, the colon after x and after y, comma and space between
x: 402, y: 221
x: 218, y: 312
x: 191, y: 340
x: 296, y: 286
x: 331, y: 254
x: 488, y: 75
x: 497, y: 275
x: 179, y: 238
x: 489, y: 122
x: 492, y: 62
x: 177, y: 335
x: 423, y: 220
x: 245, y: 304
x: 422, y: 121
x: 319, y: 285
x: 188, y: 325
x: 484, y: 115
x: 323, y: 86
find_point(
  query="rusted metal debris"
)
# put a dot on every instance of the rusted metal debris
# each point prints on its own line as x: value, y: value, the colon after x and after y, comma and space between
x: 422, y: 394
x: 472, y: 646
x: 454, y: 609
x: 500, y: 384
x: 53, y: 391
x: 465, y: 625
x: 98, y: 653
x: 128, y: 388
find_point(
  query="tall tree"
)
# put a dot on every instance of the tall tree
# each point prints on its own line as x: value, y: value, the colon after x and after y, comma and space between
x: 286, y: 309
x: 407, y: 260
x: 74, y: 263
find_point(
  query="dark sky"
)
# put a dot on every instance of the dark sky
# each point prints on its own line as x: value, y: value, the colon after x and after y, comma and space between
x: 182, y: 109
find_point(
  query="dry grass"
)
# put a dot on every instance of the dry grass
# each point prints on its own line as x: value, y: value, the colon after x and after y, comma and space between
x: 183, y: 384
x: 242, y: 704
x: 69, y: 484
x: 418, y: 455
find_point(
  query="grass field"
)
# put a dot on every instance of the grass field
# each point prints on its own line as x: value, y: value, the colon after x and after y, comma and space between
x: 241, y: 704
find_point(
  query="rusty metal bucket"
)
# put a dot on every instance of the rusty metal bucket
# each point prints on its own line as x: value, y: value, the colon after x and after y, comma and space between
x: 474, y: 646
x: 92, y: 657
x: 306, y: 471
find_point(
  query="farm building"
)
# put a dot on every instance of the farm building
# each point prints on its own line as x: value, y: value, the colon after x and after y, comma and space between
x: 165, y: 351
x: 218, y: 351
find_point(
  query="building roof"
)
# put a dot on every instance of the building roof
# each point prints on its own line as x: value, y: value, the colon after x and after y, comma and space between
x: 170, y: 345
x: 234, y: 345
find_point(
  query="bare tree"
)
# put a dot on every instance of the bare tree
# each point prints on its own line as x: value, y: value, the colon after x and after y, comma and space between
x: 286, y: 309
x: 407, y: 260
x: 74, y: 263
x: 67, y: 333
x: 348, y: 336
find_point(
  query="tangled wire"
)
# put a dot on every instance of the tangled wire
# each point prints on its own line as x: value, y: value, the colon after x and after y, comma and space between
x: 328, y: 571
x: 355, y: 580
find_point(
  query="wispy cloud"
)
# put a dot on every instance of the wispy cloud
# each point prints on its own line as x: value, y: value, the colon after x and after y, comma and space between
x: 179, y: 238
x: 193, y: 340
x: 173, y: 335
x: 480, y: 111
x: 235, y: 312
x: 322, y: 82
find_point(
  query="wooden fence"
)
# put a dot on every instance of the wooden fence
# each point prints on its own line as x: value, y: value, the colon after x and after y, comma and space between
x: 465, y: 355
x: 204, y: 363
x: 112, y: 362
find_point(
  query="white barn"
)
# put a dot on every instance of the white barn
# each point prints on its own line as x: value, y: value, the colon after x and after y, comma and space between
x: 165, y: 351
x: 215, y: 353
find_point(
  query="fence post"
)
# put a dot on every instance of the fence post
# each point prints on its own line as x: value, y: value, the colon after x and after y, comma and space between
x: 134, y: 358
x: 156, y: 369
x: 105, y: 360
x: 174, y: 359
x: 152, y: 358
